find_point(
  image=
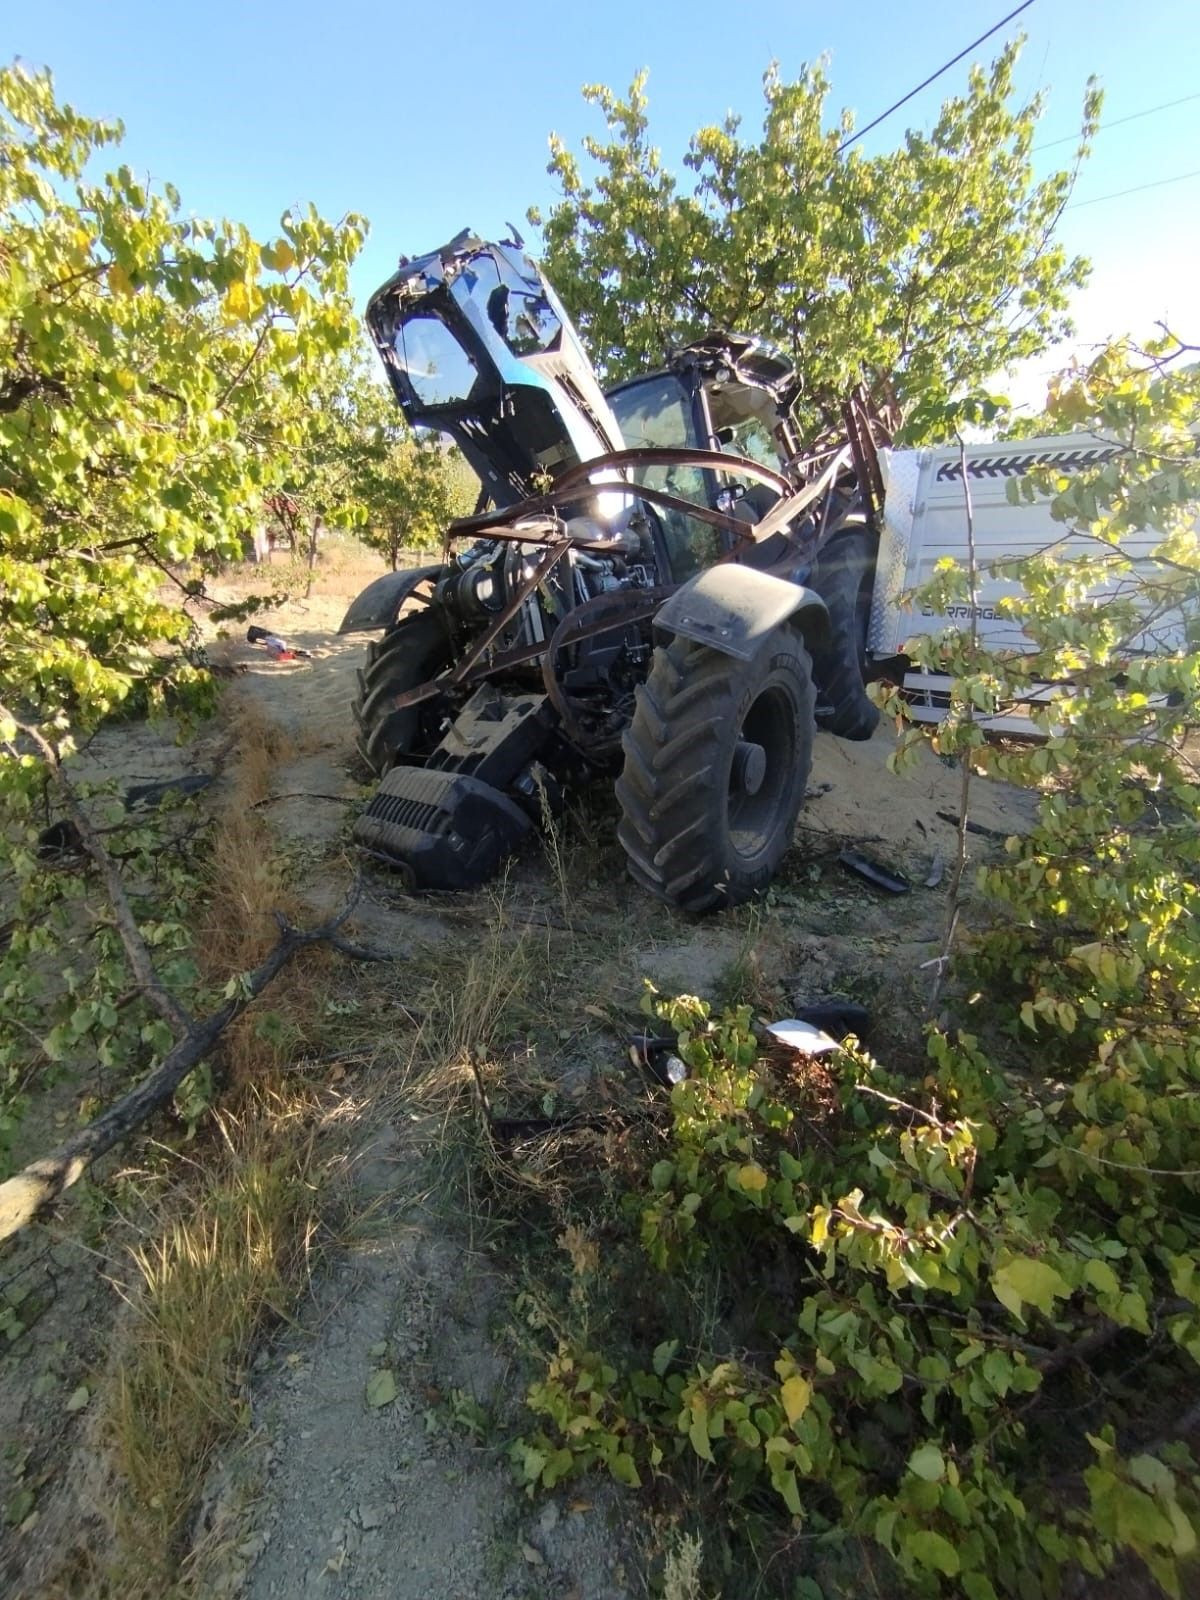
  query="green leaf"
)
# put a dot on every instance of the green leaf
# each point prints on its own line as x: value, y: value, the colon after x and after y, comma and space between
x: 927, y: 1462
x: 929, y: 1549
x: 664, y: 1354
x: 698, y: 1434
x: 1100, y: 1276
x: 1025, y: 1280
x: 78, y: 1398
x: 624, y: 1469
x: 20, y: 1503
x: 381, y: 1388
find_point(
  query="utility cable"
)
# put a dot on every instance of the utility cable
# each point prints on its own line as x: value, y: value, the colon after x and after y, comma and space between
x: 1137, y: 189
x: 1133, y: 116
x: 883, y: 115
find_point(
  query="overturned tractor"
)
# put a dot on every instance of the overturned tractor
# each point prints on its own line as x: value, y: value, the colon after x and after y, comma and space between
x: 660, y: 586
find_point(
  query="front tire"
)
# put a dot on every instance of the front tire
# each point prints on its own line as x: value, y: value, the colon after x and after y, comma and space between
x: 717, y: 759
x: 411, y: 652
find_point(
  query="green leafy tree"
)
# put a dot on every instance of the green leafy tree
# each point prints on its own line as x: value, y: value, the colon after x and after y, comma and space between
x: 155, y: 375
x: 325, y: 484
x: 413, y: 487
x: 929, y: 268
x: 156, y: 382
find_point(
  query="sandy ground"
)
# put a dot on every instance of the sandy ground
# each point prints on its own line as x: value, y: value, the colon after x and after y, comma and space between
x: 331, y: 1496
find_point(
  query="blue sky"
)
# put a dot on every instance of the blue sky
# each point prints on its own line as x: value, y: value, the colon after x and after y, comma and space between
x: 430, y: 118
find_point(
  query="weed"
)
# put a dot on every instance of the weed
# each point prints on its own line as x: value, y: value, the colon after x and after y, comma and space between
x: 682, y: 1568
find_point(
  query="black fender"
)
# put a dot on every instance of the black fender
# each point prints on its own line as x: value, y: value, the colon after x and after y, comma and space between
x: 379, y: 604
x: 733, y: 608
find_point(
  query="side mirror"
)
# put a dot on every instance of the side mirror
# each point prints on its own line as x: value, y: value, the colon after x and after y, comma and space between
x: 728, y: 498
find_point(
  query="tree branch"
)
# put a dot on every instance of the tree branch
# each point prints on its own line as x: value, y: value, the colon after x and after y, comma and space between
x: 46, y: 1179
x: 953, y: 904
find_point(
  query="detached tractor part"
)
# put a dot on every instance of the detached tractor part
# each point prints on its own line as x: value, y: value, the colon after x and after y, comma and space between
x: 673, y: 614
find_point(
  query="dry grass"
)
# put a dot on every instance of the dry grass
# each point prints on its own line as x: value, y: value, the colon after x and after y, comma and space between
x: 247, y: 883
x: 230, y: 1254
x: 228, y: 1245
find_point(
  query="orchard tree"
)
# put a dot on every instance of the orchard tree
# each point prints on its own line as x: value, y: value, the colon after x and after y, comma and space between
x: 324, y: 484
x: 413, y: 487
x: 928, y: 268
x: 155, y: 380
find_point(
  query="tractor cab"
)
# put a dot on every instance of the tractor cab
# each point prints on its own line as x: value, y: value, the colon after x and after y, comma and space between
x: 727, y: 392
x: 477, y: 345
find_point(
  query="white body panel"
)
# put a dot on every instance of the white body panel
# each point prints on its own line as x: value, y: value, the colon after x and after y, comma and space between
x: 925, y: 520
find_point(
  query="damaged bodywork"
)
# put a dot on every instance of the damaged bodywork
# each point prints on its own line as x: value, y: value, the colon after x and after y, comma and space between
x: 659, y: 585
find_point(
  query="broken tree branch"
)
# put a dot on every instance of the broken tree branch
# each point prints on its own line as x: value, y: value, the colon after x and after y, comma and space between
x: 46, y: 1179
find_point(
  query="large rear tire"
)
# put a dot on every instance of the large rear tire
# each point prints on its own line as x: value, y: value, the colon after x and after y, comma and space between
x: 717, y: 759
x: 411, y: 652
x: 845, y: 580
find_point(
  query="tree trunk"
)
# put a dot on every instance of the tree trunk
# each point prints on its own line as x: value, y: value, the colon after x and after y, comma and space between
x: 313, y: 532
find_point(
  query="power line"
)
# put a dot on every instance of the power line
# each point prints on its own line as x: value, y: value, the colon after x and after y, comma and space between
x: 855, y: 137
x: 1137, y: 189
x: 1132, y: 117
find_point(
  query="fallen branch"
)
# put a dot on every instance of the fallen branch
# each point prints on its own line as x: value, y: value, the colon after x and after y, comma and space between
x: 46, y: 1179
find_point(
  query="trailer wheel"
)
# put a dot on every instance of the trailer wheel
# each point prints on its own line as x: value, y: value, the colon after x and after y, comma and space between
x: 411, y: 652
x: 845, y: 578
x: 716, y: 764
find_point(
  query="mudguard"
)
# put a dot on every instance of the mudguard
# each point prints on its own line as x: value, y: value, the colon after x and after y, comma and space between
x: 733, y: 608
x: 379, y: 604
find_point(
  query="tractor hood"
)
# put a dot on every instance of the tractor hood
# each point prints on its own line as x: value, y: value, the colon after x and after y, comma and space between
x: 477, y: 345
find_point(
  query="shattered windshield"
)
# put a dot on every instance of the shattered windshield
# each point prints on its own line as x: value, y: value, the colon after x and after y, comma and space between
x: 657, y: 415
x: 515, y: 305
x: 438, y: 368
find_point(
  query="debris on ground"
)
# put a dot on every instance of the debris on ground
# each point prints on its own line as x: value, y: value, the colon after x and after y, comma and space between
x: 974, y: 827
x: 874, y: 872
x: 805, y: 1037
x: 837, y: 1016
x: 278, y: 649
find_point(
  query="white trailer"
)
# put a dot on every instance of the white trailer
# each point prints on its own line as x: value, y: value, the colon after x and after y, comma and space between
x: 925, y: 520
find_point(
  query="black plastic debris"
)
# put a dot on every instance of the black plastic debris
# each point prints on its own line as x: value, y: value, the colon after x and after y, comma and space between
x: 874, y: 872
x: 974, y: 827
x: 837, y: 1016
x: 60, y: 842
x: 150, y: 795
x: 655, y: 1053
